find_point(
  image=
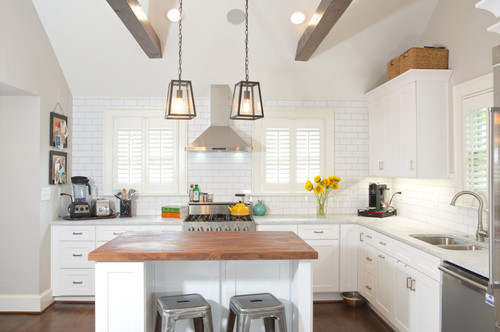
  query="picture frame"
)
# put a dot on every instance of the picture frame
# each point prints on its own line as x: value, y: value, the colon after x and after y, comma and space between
x: 58, y: 167
x: 59, y: 130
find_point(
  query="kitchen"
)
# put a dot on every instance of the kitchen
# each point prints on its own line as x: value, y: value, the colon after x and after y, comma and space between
x: 359, y: 51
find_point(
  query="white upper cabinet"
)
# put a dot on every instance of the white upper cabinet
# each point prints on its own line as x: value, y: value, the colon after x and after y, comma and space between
x: 408, y: 123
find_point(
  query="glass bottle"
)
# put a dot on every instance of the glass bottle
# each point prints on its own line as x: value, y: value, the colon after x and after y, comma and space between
x: 196, y: 193
x: 190, y: 192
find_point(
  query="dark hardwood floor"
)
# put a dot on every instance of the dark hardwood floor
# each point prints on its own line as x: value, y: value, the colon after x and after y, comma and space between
x: 69, y: 317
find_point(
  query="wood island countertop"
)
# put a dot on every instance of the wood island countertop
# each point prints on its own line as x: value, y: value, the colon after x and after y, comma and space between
x: 176, y: 246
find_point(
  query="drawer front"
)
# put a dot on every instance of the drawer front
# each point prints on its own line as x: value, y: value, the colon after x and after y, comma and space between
x: 76, y: 233
x: 369, y: 260
x: 313, y: 232
x: 77, y: 282
x: 74, y: 255
x: 367, y: 236
x: 404, y: 253
x: 369, y: 286
x: 277, y: 228
x: 428, y: 264
x: 108, y: 233
x: 383, y: 243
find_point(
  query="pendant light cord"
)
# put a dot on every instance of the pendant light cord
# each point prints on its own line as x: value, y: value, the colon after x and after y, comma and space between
x: 180, y: 39
x: 246, y: 40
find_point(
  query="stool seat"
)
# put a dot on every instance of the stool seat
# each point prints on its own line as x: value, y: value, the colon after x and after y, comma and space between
x: 244, y: 308
x: 177, y: 307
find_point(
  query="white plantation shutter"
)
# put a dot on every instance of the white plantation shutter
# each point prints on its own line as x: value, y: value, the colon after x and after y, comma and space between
x: 308, y: 163
x: 475, y: 149
x: 290, y: 149
x: 147, y: 153
x: 128, y: 152
x: 277, y: 155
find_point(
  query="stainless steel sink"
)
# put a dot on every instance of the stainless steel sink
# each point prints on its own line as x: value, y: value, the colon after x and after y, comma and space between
x: 447, y: 242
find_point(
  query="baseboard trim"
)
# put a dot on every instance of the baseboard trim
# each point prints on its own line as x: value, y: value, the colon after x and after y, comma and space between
x: 30, y: 303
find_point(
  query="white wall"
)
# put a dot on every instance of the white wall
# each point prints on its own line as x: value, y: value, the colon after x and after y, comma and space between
x: 27, y: 63
x: 227, y: 173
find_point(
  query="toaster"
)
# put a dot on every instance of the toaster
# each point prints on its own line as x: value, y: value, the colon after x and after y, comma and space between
x: 101, y: 208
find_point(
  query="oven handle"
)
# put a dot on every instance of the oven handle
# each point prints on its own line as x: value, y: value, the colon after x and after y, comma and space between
x: 469, y: 282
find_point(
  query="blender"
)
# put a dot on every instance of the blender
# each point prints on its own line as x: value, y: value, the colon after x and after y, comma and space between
x: 79, y: 207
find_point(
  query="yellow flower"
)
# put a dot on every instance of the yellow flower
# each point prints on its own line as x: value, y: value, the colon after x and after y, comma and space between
x: 335, y: 185
x: 336, y: 178
x: 326, y: 182
x: 318, y: 189
x: 308, y: 185
x: 317, y: 179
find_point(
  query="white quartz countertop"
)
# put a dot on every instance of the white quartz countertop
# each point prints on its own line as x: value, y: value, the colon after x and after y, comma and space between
x: 398, y: 228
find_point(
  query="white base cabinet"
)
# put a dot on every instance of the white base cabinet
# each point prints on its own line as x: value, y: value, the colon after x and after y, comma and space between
x: 403, y: 283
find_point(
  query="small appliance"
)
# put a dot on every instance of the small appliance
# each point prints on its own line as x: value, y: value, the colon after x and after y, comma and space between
x: 379, y: 204
x: 100, y: 208
x: 79, y: 207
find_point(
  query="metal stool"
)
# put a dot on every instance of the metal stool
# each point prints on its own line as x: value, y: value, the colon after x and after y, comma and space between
x: 173, y: 308
x: 244, y: 308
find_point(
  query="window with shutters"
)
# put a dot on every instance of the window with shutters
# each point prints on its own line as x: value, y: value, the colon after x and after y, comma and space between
x: 144, y: 151
x: 475, y: 150
x: 290, y: 147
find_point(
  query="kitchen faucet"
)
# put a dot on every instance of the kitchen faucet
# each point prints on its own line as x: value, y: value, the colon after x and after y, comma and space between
x: 481, y: 234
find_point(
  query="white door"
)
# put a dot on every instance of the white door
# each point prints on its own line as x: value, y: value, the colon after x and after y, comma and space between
x: 384, y: 293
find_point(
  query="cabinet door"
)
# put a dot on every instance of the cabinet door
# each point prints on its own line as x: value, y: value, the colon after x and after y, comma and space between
x: 376, y: 134
x: 326, y: 267
x: 349, y: 240
x: 405, y: 300
x: 367, y: 271
x: 408, y: 148
x: 427, y: 309
x: 384, y: 293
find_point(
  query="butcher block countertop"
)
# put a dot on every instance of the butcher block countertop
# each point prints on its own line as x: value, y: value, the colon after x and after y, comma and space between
x: 163, y: 246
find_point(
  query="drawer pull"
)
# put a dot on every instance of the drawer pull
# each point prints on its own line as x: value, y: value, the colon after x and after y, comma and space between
x: 413, y: 282
x: 368, y: 287
x: 368, y: 236
x: 368, y: 259
x: 77, y: 282
x: 117, y: 233
x: 381, y: 256
x: 408, y: 282
x: 77, y: 255
x: 318, y: 232
x: 382, y: 243
x: 77, y: 233
x: 361, y: 237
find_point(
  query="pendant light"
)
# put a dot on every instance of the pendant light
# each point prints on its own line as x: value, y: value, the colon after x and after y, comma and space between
x: 247, y: 100
x: 180, y: 101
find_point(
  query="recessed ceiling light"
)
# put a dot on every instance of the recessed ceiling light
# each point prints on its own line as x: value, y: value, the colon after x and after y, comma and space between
x: 173, y: 15
x: 297, y: 18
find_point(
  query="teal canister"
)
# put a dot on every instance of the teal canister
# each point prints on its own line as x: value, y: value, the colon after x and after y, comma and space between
x: 259, y: 209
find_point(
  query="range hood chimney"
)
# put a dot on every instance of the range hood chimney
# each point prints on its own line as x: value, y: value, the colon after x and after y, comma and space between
x: 219, y: 136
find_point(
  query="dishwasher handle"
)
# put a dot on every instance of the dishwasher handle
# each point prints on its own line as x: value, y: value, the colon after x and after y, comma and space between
x: 471, y: 283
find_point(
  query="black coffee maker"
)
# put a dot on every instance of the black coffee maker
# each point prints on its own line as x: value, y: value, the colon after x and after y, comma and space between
x: 378, y: 202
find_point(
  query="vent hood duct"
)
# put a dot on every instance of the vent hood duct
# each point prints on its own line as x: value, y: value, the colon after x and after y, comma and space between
x: 219, y: 136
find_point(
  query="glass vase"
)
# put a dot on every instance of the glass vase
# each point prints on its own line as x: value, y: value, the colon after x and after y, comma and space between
x: 322, y: 207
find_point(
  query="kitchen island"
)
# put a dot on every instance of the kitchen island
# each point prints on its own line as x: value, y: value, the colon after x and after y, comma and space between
x: 133, y: 270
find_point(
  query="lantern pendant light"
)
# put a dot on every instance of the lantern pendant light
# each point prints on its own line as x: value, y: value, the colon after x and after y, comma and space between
x: 180, y: 101
x: 247, y: 100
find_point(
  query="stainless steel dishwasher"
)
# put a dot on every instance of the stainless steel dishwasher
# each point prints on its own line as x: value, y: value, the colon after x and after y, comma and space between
x: 464, y: 301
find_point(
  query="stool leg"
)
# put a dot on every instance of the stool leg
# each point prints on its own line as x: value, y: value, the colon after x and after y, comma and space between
x: 242, y: 323
x: 281, y: 321
x: 207, y: 321
x: 230, y: 321
x: 198, y: 324
x: 169, y: 325
x: 269, y: 324
x: 158, y: 322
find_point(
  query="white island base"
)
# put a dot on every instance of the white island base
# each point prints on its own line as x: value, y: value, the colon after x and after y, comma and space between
x: 126, y: 292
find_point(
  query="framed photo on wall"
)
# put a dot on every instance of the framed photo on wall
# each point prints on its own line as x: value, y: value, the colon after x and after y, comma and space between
x: 59, y: 130
x: 58, y: 162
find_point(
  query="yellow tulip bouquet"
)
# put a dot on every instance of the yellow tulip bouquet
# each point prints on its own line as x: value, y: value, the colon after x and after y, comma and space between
x: 321, y: 189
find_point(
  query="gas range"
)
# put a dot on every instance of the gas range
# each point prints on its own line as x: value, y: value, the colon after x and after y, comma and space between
x: 215, y: 217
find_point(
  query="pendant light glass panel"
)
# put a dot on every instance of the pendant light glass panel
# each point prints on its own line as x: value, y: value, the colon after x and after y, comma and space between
x: 180, y: 101
x: 247, y: 101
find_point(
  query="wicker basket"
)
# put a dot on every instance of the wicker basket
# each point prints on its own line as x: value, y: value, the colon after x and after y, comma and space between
x: 393, y: 67
x: 418, y: 58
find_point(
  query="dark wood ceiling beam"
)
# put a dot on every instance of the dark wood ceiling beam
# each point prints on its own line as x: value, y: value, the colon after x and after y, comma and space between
x: 324, y: 18
x: 136, y: 21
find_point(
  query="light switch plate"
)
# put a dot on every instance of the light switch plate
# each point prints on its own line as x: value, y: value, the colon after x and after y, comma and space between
x: 46, y: 194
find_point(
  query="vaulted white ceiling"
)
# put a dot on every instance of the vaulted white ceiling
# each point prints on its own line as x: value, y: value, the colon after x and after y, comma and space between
x: 100, y: 57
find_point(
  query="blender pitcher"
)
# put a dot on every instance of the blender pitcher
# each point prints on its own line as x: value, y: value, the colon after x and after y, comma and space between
x: 80, y: 185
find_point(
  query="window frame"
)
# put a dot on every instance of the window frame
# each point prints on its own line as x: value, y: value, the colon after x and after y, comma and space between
x: 258, y: 154
x: 108, y: 139
x: 461, y: 92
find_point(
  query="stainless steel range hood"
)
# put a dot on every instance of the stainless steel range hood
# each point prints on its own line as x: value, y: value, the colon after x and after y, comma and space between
x: 219, y: 136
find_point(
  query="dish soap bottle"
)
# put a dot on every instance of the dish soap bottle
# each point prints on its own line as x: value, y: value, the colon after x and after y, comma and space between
x: 196, y: 193
x: 190, y: 192
x: 259, y: 209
